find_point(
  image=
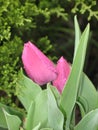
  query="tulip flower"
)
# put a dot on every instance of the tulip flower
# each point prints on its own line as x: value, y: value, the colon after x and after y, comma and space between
x: 63, y: 70
x: 37, y: 66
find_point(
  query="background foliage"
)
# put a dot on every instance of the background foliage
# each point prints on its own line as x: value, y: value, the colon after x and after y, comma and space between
x: 49, y: 24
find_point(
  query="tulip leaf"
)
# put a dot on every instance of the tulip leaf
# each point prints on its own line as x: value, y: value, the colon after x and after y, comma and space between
x: 9, y: 110
x: 37, y: 112
x: 69, y: 95
x: 87, y: 89
x: 55, y: 93
x: 29, y: 119
x: 26, y: 90
x: 3, y: 123
x: 89, y: 122
x: 42, y: 110
x: 77, y: 35
x: 55, y: 116
x: 89, y: 93
x: 13, y: 122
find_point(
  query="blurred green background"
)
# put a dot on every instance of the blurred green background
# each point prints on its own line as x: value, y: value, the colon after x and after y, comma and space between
x: 50, y: 25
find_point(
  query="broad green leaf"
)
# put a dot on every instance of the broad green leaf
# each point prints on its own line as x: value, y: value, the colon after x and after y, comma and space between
x: 38, y: 111
x: 10, y: 111
x: 13, y: 122
x: 77, y: 35
x: 55, y: 93
x: 89, y: 93
x: 87, y: 89
x: 89, y: 122
x: 26, y: 90
x: 55, y: 116
x: 77, y: 41
x: 30, y: 119
x: 69, y: 95
x: 3, y: 123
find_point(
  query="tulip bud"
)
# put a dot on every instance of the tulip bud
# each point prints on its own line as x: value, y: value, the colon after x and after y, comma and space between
x: 37, y: 66
x: 63, y: 70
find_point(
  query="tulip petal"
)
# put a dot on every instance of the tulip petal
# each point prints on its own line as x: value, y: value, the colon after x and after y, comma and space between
x: 37, y: 66
x: 63, y: 70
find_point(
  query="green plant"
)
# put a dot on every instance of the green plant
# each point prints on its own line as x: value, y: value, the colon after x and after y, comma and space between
x: 44, y: 23
x: 9, y: 61
x: 47, y: 109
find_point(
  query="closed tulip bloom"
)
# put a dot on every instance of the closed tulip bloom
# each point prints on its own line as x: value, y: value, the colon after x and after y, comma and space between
x: 37, y: 66
x: 63, y: 70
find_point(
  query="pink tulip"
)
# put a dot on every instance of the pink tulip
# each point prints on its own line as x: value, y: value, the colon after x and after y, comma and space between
x: 37, y: 66
x: 63, y: 70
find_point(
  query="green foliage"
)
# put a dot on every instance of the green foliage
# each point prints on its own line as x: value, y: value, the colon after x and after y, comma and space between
x: 24, y: 86
x: 74, y: 79
x: 16, y: 121
x: 89, y: 121
x: 42, y: 22
x: 9, y: 67
x: 46, y: 109
x: 84, y: 6
x: 9, y: 110
x: 33, y: 98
